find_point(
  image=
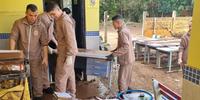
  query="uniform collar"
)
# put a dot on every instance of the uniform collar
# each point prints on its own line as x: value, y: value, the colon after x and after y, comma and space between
x: 62, y: 16
x: 24, y: 20
x: 188, y: 34
x: 120, y: 29
x: 50, y: 18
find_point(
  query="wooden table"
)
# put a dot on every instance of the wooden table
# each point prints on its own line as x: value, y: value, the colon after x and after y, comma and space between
x: 98, y: 54
x: 11, y: 54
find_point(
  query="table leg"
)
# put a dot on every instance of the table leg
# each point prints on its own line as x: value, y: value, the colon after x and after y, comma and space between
x: 110, y: 74
x: 148, y: 55
x: 137, y: 50
x: 158, y: 59
x: 145, y: 54
x: 170, y: 62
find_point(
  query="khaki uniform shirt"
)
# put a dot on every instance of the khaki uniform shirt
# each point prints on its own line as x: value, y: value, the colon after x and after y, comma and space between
x: 124, y: 50
x: 30, y: 38
x: 184, y: 47
x: 65, y: 35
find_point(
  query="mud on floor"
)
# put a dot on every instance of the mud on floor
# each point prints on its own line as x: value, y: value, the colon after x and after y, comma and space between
x: 142, y: 79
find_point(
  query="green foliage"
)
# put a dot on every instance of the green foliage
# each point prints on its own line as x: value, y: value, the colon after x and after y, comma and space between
x: 132, y: 10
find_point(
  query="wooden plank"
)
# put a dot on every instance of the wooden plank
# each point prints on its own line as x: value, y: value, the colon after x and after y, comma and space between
x: 168, y: 49
x: 166, y: 95
x: 11, y: 54
x: 93, y: 53
x: 168, y: 92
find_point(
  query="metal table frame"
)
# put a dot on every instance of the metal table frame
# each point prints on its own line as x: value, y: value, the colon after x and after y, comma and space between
x: 169, y: 52
x: 148, y: 44
x: 138, y: 46
x: 88, y: 54
x: 154, y: 47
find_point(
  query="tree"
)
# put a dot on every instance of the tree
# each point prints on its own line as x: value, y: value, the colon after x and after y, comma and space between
x: 108, y: 5
x: 132, y: 10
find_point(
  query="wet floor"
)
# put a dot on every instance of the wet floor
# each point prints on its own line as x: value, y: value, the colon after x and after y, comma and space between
x: 91, y: 89
x: 86, y: 90
x: 142, y: 79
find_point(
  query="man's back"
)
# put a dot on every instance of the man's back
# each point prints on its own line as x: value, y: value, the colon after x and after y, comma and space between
x: 125, y: 38
x: 45, y: 19
x: 65, y: 34
x: 184, y: 47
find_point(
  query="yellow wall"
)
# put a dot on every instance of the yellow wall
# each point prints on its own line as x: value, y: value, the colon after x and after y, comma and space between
x: 92, y: 15
x: 10, y: 10
x: 194, y: 47
x: 190, y: 89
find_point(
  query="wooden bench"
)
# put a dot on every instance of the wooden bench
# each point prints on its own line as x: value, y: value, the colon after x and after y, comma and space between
x: 161, y: 92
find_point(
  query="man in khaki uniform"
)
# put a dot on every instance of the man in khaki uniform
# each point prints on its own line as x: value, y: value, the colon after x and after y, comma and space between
x: 184, y: 45
x: 68, y: 12
x: 124, y: 52
x: 48, y: 21
x: 67, y: 50
x: 31, y: 36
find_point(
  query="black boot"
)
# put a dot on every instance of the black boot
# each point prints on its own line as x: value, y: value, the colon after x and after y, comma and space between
x: 128, y: 92
x: 48, y: 90
x: 49, y: 94
x: 129, y: 88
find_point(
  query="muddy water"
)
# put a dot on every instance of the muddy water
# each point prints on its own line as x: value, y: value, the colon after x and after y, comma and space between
x: 86, y: 90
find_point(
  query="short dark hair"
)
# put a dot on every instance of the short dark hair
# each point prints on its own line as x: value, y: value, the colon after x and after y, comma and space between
x: 50, y: 6
x: 31, y: 7
x: 116, y: 17
x: 66, y: 10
